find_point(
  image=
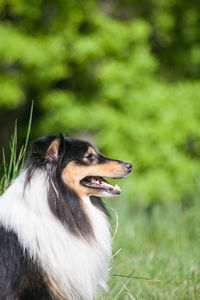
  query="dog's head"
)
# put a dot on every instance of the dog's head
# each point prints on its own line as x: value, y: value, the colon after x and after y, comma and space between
x: 81, y: 166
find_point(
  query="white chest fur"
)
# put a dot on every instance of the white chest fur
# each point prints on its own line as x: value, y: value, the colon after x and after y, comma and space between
x: 79, y: 267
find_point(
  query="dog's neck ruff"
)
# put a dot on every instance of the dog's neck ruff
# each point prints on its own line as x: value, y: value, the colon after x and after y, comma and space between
x: 76, y: 268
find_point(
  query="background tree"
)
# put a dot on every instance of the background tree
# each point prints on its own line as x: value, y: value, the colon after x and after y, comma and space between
x: 126, y: 72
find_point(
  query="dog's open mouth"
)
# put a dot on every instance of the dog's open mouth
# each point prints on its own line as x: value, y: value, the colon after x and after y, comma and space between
x: 97, y: 182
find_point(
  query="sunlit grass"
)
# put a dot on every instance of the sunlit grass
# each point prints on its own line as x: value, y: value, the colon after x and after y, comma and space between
x: 160, y: 248
x: 12, y: 166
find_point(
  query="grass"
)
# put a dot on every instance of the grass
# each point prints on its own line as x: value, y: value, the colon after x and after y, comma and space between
x: 158, y: 249
x: 161, y: 249
x: 16, y: 161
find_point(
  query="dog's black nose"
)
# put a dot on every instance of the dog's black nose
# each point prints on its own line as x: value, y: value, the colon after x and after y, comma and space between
x: 128, y: 166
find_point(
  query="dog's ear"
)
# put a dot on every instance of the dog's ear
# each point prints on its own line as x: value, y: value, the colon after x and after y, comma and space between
x: 48, y: 147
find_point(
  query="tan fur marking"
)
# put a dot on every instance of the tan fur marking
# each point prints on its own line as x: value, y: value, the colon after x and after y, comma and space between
x: 73, y: 173
x: 91, y: 150
x: 53, y: 286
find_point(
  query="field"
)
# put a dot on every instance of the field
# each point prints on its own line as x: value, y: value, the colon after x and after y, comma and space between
x: 159, y: 249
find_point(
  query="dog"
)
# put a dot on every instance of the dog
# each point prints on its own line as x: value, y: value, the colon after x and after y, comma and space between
x: 55, y: 241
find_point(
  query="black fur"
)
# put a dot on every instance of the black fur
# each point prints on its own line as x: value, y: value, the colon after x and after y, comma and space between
x: 98, y: 203
x: 20, y: 277
x: 68, y: 208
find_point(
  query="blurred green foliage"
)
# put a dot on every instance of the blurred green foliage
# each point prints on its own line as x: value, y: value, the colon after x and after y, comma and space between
x: 125, y: 71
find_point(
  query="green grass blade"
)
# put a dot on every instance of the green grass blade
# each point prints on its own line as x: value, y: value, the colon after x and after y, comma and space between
x: 16, y: 161
x: 27, y: 134
x: 4, y: 162
x: 122, y: 289
x: 13, y: 150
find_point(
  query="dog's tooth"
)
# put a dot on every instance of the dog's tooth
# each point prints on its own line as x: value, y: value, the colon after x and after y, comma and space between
x: 117, y: 187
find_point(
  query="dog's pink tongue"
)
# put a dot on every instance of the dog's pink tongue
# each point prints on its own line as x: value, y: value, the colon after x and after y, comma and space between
x: 100, y: 182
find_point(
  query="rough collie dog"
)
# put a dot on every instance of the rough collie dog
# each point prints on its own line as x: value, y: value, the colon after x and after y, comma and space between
x: 55, y: 239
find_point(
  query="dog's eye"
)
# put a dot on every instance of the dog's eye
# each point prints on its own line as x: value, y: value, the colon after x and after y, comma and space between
x: 90, y: 155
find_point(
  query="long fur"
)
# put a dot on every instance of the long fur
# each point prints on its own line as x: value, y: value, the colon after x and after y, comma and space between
x: 75, y: 266
x: 54, y: 229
